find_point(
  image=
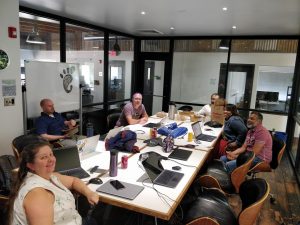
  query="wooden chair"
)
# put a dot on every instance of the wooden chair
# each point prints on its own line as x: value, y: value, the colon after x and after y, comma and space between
x: 211, y: 209
x: 218, y: 177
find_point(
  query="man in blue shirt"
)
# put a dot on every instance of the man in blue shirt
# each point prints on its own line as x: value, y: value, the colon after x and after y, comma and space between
x: 51, y: 125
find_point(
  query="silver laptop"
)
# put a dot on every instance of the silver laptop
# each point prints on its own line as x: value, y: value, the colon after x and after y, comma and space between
x: 124, y: 190
x: 199, y: 135
x: 68, y: 162
x: 113, y: 132
x: 87, y: 147
x: 157, y: 174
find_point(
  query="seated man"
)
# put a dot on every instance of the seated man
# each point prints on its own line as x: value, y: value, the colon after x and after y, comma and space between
x: 206, y: 110
x: 258, y: 140
x: 133, y: 112
x: 51, y: 125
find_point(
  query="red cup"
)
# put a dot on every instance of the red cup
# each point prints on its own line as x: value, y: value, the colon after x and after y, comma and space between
x: 124, y: 161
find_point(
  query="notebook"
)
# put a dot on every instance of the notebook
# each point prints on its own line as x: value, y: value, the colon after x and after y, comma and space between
x: 157, y: 125
x: 88, y: 146
x: 68, y: 162
x: 157, y: 174
x: 180, y: 154
x: 199, y: 135
x: 130, y: 191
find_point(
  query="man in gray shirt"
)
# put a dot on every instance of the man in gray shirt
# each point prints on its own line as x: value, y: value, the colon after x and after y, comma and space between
x: 133, y: 112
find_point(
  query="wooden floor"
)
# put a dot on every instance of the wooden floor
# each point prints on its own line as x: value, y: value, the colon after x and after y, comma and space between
x: 284, y: 187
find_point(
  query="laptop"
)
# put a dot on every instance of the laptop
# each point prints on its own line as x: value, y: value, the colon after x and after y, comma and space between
x: 157, y: 125
x: 68, y: 162
x: 199, y: 135
x: 87, y: 146
x: 180, y: 154
x: 157, y: 174
x: 127, y: 190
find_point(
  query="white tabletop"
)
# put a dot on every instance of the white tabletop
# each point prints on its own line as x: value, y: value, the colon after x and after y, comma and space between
x: 148, y: 201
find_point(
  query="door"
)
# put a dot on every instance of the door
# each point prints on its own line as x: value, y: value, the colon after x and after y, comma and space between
x: 236, y: 87
x: 153, y: 85
x: 116, y: 80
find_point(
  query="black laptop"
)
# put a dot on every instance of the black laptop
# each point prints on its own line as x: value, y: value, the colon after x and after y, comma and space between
x: 68, y: 162
x: 157, y: 174
x: 199, y: 135
x: 180, y: 154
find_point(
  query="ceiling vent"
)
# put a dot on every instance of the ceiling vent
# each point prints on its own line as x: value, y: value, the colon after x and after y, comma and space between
x: 149, y: 31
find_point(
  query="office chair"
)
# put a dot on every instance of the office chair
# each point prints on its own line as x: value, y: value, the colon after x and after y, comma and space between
x: 218, y: 177
x: 20, y: 142
x: 212, y: 208
x: 278, y: 149
x: 186, y: 108
x: 112, y: 120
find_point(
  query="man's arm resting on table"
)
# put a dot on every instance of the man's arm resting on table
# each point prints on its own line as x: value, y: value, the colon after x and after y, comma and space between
x: 132, y: 121
x: 50, y: 137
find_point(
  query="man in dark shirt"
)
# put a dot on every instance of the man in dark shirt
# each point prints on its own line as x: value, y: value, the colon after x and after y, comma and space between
x: 51, y: 125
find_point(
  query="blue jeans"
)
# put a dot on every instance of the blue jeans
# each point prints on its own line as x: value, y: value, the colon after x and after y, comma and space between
x: 231, y: 164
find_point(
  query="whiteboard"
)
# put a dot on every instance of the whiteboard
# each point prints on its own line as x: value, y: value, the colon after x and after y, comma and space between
x: 54, y: 80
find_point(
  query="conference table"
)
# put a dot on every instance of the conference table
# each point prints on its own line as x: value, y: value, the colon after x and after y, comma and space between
x: 154, y: 200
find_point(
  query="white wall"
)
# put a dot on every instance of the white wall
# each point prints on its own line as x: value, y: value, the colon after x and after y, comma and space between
x: 11, y: 117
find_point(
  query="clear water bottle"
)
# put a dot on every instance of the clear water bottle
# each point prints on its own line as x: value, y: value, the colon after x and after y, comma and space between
x: 89, y: 130
x: 172, y: 111
x: 113, y: 165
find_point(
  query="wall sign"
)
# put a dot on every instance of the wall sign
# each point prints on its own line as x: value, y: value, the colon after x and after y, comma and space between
x: 4, y: 60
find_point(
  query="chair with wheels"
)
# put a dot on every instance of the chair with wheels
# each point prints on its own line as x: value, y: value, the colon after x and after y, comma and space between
x: 218, y: 177
x: 186, y: 108
x: 212, y: 208
x: 112, y: 120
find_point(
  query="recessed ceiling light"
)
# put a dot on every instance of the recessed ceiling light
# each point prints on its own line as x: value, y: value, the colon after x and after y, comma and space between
x: 224, y: 8
x: 143, y: 13
x: 234, y: 27
x: 172, y: 28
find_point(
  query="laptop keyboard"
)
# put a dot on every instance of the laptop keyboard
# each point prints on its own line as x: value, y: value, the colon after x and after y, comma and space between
x: 79, y: 173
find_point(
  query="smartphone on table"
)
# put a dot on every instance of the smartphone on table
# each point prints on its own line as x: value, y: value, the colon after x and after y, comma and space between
x: 117, y: 184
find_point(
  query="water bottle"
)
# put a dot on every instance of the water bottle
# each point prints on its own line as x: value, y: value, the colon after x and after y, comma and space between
x: 89, y: 130
x: 113, y: 165
x: 172, y: 111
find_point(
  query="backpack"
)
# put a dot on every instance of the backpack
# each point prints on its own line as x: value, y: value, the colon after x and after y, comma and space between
x: 7, y: 164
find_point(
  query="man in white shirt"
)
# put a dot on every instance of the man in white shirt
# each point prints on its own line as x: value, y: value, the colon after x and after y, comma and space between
x: 206, y: 110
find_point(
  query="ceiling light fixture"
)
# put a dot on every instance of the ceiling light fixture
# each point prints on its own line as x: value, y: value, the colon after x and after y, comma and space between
x: 91, y: 38
x: 143, y: 12
x: 172, y: 28
x: 224, y: 44
x: 34, y: 37
x: 234, y: 27
x: 224, y: 8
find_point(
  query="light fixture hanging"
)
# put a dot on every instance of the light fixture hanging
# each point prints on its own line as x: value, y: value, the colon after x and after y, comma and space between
x: 116, y: 47
x: 224, y: 44
x: 34, y: 37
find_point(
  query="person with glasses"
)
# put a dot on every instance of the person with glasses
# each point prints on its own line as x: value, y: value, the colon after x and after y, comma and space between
x: 258, y: 140
x: 133, y: 112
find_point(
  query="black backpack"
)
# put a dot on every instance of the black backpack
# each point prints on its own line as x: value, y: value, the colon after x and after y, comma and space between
x: 7, y: 164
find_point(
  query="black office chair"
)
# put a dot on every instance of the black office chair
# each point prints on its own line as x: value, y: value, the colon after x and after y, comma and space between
x: 112, y: 120
x: 186, y: 108
x: 212, y: 207
x: 218, y: 177
x: 20, y: 142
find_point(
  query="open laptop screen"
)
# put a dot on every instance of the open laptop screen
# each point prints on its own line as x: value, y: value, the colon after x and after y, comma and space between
x: 66, y: 158
x: 197, y: 129
x: 152, y: 165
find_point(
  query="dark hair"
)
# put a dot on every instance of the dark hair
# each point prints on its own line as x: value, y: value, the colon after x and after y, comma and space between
x: 27, y: 156
x: 258, y: 114
x: 232, y: 108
